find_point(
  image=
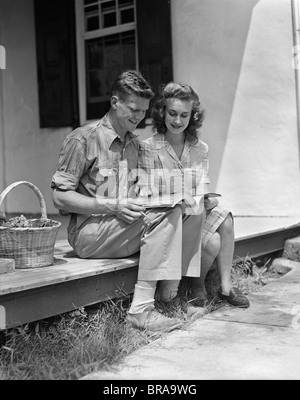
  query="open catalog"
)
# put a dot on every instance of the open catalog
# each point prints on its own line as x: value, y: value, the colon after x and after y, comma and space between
x: 195, y: 203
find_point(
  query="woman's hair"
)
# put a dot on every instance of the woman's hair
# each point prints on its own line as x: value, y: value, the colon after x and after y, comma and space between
x: 131, y: 82
x: 182, y: 92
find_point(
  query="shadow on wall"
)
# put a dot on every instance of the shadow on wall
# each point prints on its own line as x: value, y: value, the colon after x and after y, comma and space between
x: 222, y: 30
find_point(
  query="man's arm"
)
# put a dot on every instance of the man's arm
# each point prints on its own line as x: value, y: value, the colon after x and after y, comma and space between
x: 77, y: 203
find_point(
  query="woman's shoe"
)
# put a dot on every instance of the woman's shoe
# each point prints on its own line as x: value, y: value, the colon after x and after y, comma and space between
x: 235, y: 298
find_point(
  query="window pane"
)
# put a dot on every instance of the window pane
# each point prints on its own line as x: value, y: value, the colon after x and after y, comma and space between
x: 92, y: 10
x: 127, y: 16
x: 109, y: 20
x: 109, y: 5
x: 123, y: 3
x: 128, y: 49
x: 92, y: 24
x: 95, y: 83
x: 103, y: 14
x: 91, y: 18
x: 94, y: 55
x: 87, y: 2
x: 106, y: 58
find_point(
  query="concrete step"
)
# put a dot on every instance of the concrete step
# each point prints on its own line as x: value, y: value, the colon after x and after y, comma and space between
x: 283, y: 265
x: 6, y: 265
x: 291, y: 249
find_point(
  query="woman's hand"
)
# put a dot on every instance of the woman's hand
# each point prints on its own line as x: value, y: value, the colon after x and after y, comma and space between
x: 146, y: 191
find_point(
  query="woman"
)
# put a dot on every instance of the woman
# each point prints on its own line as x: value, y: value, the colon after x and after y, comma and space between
x: 176, y: 146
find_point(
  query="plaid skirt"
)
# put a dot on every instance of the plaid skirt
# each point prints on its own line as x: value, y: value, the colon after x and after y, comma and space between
x: 214, y: 219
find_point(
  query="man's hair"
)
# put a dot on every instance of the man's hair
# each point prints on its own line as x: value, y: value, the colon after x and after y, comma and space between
x: 131, y: 83
x: 183, y: 92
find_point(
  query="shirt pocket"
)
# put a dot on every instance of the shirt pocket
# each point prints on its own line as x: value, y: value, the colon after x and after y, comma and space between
x: 106, y: 181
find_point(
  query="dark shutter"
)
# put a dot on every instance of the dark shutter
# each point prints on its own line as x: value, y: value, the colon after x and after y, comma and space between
x: 155, y: 41
x: 56, y: 57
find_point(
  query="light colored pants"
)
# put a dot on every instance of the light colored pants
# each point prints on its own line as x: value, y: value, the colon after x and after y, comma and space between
x: 169, y: 245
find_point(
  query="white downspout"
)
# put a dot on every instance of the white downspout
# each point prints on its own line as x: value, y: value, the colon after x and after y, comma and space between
x: 2, y: 133
x: 296, y: 59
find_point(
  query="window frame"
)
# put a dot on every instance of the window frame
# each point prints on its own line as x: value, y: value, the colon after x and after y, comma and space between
x: 81, y: 37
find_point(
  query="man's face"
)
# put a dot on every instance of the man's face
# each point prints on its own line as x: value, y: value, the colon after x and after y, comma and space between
x: 130, y: 112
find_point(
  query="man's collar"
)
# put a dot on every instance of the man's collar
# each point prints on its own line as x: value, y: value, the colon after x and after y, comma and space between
x: 112, y: 135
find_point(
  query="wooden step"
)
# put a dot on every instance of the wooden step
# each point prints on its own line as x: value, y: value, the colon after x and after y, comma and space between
x: 28, y: 295
x: 256, y: 236
x: 33, y: 294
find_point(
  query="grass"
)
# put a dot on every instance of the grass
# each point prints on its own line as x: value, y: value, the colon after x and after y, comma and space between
x: 75, y: 344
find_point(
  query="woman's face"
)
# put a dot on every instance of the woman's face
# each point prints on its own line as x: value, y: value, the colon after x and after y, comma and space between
x: 177, y: 115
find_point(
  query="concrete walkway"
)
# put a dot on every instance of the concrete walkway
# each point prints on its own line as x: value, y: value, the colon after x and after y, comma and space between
x: 259, y: 343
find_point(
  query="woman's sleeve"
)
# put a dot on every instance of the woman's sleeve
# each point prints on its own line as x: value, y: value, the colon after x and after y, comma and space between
x: 205, y: 162
x: 146, y: 158
x: 145, y: 164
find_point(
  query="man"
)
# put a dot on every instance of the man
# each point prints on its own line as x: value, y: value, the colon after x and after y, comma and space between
x: 105, y: 222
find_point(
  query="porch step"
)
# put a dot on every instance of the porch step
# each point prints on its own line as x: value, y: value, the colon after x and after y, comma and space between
x: 28, y: 295
x: 6, y: 265
x: 256, y: 237
x: 283, y: 265
x: 292, y: 249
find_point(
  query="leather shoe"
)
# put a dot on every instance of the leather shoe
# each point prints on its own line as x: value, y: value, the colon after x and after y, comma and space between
x: 152, y: 320
x: 235, y: 298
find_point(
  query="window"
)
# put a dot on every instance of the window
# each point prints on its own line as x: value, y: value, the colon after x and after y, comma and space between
x: 101, y: 14
x: 107, y: 45
x: 82, y: 49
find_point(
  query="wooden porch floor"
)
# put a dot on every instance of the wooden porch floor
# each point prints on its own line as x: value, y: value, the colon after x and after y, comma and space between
x: 254, y: 236
x: 28, y: 295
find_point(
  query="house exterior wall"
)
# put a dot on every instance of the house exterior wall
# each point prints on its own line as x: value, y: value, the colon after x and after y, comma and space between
x: 236, y: 53
x: 28, y: 153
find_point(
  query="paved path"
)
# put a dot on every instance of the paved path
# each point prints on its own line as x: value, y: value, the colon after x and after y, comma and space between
x: 259, y: 343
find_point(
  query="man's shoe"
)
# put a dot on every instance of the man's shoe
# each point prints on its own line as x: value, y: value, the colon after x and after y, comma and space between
x: 235, y: 298
x: 152, y: 320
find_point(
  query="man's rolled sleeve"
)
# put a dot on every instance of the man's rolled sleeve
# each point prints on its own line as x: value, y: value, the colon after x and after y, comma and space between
x: 64, y: 181
x: 70, y: 167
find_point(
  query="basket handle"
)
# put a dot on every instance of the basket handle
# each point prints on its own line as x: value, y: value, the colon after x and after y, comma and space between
x: 34, y: 188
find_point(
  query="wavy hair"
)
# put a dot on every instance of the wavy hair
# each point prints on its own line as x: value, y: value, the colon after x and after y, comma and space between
x: 182, y: 92
x: 131, y: 82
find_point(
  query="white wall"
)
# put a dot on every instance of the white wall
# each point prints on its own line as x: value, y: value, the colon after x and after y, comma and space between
x: 237, y: 54
x: 30, y: 153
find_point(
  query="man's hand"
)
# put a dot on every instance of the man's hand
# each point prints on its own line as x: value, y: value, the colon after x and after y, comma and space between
x: 129, y: 211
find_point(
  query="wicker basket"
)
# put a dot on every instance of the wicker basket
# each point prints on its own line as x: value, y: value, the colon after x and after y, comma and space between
x: 29, y: 247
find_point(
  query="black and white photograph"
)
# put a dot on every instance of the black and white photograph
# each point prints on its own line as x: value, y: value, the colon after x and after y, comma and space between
x: 149, y: 193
